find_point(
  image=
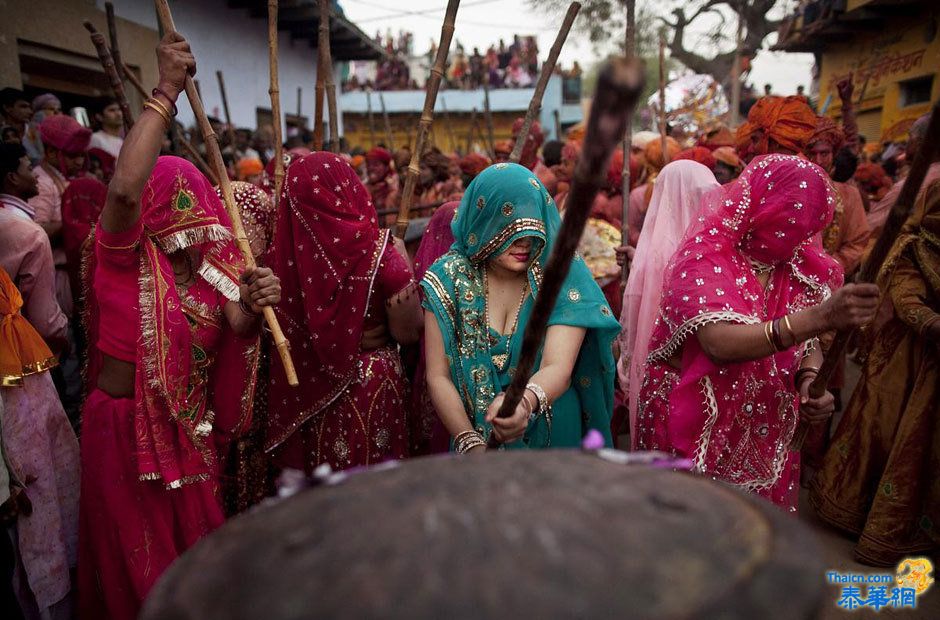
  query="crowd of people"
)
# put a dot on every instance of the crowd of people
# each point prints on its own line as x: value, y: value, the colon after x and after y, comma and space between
x: 501, y: 66
x: 117, y: 257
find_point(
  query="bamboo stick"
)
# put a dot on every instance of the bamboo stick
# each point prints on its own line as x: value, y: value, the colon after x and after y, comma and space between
x: 388, y: 125
x: 274, y: 91
x: 630, y: 52
x: 427, y: 116
x: 371, y: 117
x: 488, y: 117
x: 450, y: 127
x: 300, y: 92
x: 318, y: 102
x: 107, y: 63
x: 662, y: 97
x: 215, y: 154
x: 869, y: 271
x: 112, y: 35
x: 324, y: 40
x: 619, y: 86
x: 198, y: 89
x: 547, y: 68
x: 228, y: 116
x: 185, y: 143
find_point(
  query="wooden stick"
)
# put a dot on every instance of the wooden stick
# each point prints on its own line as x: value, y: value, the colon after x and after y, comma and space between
x: 558, y: 121
x: 198, y: 89
x: 274, y: 91
x: 228, y: 116
x: 488, y: 117
x: 619, y: 86
x: 112, y: 35
x: 471, y: 130
x: 107, y: 63
x: 215, y: 154
x: 450, y: 128
x: 427, y: 116
x: 388, y: 125
x: 872, y: 266
x: 318, y: 103
x: 324, y: 40
x: 662, y: 97
x: 630, y: 52
x: 371, y: 117
x: 548, y: 67
x: 185, y: 143
x: 300, y: 92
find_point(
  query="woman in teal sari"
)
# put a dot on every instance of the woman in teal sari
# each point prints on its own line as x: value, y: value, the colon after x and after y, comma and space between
x: 479, y: 297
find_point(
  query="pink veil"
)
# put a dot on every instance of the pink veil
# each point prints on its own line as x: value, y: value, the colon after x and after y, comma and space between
x: 676, y: 201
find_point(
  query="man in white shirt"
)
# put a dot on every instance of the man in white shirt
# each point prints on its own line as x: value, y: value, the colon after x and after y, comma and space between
x: 109, y: 138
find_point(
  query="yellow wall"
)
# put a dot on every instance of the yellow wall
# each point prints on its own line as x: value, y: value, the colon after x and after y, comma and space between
x: 902, y: 50
x: 404, y: 127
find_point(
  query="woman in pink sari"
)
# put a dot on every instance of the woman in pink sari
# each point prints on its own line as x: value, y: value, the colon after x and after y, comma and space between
x: 677, y: 198
x: 428, y: 435
x: 349, y: 297
x: 732, y: 354
x: 174, y: 319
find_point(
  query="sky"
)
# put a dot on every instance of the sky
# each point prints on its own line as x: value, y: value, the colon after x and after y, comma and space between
x: 482, y: 22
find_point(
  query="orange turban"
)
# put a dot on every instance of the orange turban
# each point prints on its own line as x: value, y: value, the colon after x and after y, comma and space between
x: 576, y: 132
x: 788, y: 121
x: 717, y: 137
x: 827, y: 131
x: 248, y: 168
x: 357, y: 160
x: 727, y: 156
x: 697, y: 153
x: 654, y: 152
x: 22, y: 350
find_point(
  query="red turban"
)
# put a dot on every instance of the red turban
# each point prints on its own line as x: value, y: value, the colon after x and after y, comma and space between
x: 379, y: 154
x: 473, y: 164
x: 697, y: 153
x: 64, y: 133
x: 789, y: 121
x: 615, y: 171
x: 827, y: 131
x: 728, y: 156
x: 571, y: 151
x: 654, y: 152
x: 717, y: 137
x: 873, y: 180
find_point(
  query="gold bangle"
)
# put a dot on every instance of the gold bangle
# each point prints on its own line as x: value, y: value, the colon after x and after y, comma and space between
x: 786, y: 323
x: 770, y: 339
x: 163, y: 115
x: 160, y: 105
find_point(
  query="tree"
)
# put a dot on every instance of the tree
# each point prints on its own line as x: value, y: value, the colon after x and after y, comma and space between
x: 603, y: 21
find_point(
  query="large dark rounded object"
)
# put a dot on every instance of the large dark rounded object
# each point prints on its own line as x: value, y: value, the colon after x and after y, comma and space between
x: 558, y: 534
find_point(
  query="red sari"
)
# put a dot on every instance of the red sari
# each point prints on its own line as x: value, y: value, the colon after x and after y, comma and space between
x: 337, y: 272
x: 150, y: 463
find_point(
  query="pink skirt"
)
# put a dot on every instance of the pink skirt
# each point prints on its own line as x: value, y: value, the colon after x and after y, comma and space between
x: 130, y: 530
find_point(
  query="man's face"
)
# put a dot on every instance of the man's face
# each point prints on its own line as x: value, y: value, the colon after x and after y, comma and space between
x: 20, y: 112
x: 74, y: 162
x: 242, y: 139
x: 376, y: 169
x: 51, y: 109
x: 111, y: 117
x: 23, y: 183
x: 820, y: 153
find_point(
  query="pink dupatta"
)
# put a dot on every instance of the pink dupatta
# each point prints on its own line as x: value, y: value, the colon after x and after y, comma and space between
x: 736, y: 420
x: 675, y: 204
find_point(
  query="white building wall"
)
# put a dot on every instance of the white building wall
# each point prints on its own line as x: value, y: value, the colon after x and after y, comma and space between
x: 231, y: 41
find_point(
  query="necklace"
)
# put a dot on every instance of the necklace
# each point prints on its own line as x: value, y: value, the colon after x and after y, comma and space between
x: 500, y: 359
x: 759, y: 267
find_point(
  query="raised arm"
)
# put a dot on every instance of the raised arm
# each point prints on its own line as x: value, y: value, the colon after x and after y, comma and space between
x: 142, y: 144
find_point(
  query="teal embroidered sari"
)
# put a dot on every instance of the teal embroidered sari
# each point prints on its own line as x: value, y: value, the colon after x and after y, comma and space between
x: 504, y: 203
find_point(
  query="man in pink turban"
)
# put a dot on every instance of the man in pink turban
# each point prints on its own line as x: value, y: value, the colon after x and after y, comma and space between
x: 382, y: 182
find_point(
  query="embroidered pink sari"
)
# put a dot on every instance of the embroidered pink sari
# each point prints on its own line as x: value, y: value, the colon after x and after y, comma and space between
x: 676, y: 201
x: 736, y: 420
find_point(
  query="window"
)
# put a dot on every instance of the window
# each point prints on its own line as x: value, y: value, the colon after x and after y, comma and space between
x: 916, y: 91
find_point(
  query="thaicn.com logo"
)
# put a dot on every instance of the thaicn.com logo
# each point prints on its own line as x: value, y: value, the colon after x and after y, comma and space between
x: 913, y: 577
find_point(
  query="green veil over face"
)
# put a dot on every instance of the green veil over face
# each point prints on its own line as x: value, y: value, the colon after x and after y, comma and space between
x: 504, y: 203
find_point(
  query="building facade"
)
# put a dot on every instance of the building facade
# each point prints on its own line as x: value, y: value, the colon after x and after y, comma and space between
x: 890, y: 47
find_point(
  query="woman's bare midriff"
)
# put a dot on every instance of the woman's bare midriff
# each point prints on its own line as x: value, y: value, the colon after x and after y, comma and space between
x: 116, y: 378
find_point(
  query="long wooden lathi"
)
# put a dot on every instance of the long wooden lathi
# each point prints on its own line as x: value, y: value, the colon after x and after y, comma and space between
x: 228, y: 115
x: 548, y: 67
x: 113, y: 38
x: 869, y: 271
x: 619, y: 86
x: 630, y: 51
x: 215, y: 156
x: 327, y: 67
x: 110, y: 69
x: 274, y: 91
x: 488, y: 119
x: 427, y: 116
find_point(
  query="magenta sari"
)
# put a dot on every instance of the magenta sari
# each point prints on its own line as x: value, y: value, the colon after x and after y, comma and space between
x: 735, y: 421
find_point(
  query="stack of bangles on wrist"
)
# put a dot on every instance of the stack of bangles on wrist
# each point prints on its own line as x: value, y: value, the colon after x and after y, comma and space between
x: 160, y: 108
x: 802, y: 372
x: 467, y: 440
x: 773, y: 334
x: 245, y: 308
